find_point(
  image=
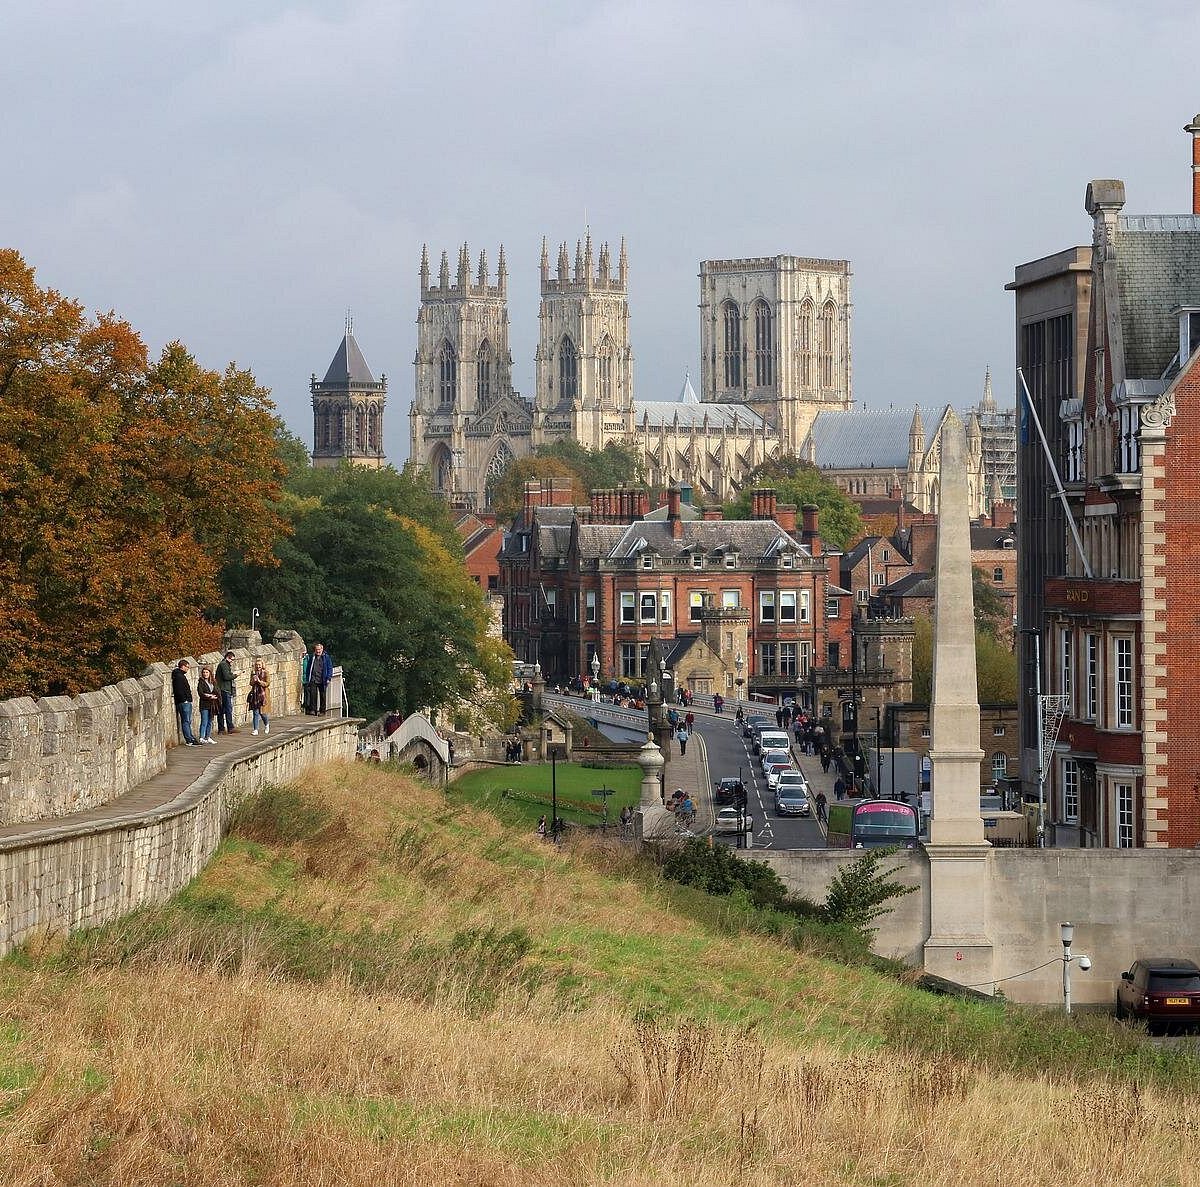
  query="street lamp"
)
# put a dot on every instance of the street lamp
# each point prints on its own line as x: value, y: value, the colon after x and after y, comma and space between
x: 878, y: 752
x: 738, y: 663
x: 1067, y: 932
x: 553, y: 792
x: 595, y: 677
x: 254, y: 614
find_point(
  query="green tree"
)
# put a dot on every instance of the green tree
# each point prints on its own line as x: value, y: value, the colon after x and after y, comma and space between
x: 990, y: 606
x: 799, y: 482
x: 506, y: 492
x: 995, y: 666
x: 614, y: 465
x: 861, y: 892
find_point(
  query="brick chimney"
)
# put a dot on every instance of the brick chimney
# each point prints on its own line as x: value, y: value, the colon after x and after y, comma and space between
x: 762, y: 504
x: 810, y: 537
x: 1194, y: 129
x: 643, y: 504
x: 676, y: 524
x: 557, y: 492
x: 785, y: 516
x: 533, y: 495
x: 712, y: 512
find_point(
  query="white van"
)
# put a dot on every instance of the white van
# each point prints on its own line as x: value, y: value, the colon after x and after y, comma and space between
x: 773, y: 740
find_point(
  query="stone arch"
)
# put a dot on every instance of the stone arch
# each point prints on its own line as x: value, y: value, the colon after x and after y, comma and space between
x: 441, y: 468
x: 424, y: 759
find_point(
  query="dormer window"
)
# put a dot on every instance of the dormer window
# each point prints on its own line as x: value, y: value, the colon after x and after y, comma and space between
x: 731, y: 560
x: 1189, y: 332
x: 647, y: 560
x: 697, y: 560
x: 785, y: 560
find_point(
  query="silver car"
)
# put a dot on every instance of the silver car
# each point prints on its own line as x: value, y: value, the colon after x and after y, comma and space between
x: 733, y: 820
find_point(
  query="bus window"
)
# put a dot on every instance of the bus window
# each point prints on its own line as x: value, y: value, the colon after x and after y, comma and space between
x: 876, y: 823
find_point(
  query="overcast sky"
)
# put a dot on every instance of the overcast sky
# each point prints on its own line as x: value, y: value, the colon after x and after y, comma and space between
x: 235, y: 174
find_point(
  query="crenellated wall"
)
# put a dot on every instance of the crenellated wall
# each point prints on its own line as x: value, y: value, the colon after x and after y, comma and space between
x: 60, y: 755
x: 66, y: 876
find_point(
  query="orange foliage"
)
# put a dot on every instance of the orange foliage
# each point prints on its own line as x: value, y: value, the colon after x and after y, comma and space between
x: 124, y: 487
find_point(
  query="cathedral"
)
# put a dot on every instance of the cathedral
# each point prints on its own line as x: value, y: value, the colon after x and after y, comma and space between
x: 775, y: 381
x: 775, y: 337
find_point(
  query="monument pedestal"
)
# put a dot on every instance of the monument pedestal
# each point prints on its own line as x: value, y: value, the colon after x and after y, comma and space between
x: 958, y: 947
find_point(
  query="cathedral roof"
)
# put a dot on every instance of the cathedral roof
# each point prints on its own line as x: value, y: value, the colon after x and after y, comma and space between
x: 858, y: 439
x: 665, y: 413
x: 348, y: 366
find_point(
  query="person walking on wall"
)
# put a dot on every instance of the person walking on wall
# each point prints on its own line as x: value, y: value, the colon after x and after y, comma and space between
x: 259, y: 699
x: 317, y: 678
x: 181, y: 694
x: 227, y: 684
x: 210, y: 703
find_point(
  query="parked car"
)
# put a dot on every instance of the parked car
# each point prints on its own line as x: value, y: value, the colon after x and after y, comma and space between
x: 793, y: 779
x: 727, y: 791
x: 1163, y: 992
x: 771, y: 739
x: 773, y: 756
x: 791, y: 798
x: 774, y: 770
x: 733, y: 820
x: 754, y: 723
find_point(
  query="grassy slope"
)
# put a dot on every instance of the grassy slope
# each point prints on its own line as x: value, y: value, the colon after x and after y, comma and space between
x: 381, y: 987
x: 519, y: 794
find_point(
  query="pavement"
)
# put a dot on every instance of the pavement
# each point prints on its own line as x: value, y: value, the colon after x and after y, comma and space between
x: 185, y: 764
x: 690, y: 771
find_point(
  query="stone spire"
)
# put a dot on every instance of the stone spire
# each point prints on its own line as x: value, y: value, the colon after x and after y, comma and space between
x: 564, y: 264
x: 502, y: 269
x: 623, y: 266
x: 545, y: 260
x: 578, y: 260
x: 589, y: 270
x: 444, y: 272
x: 464, y: 268
x: 954, y: 748
x: 989, y: 401
x: 424, y: 266
x: 482, y: 275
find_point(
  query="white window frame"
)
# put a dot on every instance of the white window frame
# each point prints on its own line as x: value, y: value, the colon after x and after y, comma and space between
x: 1126, y: 824
x: 664, y: 605
x: 785, y: 560
x: 647, y: 560
x: 805, y: 605
x: 551, y: 599
x: 768, y: 659
x: 998, y: 575
x: 1067, y: 670
x: 1091, y: 684
x: 695, y: 604
x: 589, y: 605
x: 731, y: 560
x: 999, y: 766
x: 628, y: 609
x: 697, y: 560
x: 788, y: 606
x: 862, y: 596
x: 926, y: 732
x: 648, y: 606
x: 1070, y: 789
x: 789, y: 660
x: 1123, y: 681
x: 805, y: 658
x: 998, y: 731
x: 731, y: 599
x: 767, y: 610
x: 833, y: 606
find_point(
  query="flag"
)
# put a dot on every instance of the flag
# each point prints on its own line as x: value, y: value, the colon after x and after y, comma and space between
x: 1024, y: 429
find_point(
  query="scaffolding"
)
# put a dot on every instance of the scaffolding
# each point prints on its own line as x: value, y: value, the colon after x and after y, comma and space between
x: 998, y: 427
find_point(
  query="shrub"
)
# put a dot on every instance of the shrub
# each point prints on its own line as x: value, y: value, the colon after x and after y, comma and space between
x: 860, y: 892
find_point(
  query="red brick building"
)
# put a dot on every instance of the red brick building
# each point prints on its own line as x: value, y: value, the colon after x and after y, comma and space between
x: 1120, y: 636
x: 482, y: 540
x: 753, y: 600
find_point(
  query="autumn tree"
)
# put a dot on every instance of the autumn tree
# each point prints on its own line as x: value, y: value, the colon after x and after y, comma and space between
x: 506, y: 492
x: 123, y: 488
x: 614, y: 465
x: 799, y: 482
x: 995, y: 666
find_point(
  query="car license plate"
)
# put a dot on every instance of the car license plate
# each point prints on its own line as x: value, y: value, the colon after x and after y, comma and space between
x: 1179, y: 1001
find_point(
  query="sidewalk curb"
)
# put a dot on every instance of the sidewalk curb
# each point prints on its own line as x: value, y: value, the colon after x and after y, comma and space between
x: 710, y: 809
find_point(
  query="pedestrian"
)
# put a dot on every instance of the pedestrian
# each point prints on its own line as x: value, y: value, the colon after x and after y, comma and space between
x: 673, y: 718
x: 181, y: 694
x: 227, y: 685
x: 822, y: 808
x: 718, y: 702
x: 690, y: 720
x: 825, y: 761
x: 210, y: 704
x: 779, y: 718
x: 259, y: 698
x: 839, y: 788
x: 682, y: 737
x: 541, y: 826
x: 317, y: 678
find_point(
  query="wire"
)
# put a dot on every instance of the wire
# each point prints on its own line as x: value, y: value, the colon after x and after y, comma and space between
x: 998, y: 980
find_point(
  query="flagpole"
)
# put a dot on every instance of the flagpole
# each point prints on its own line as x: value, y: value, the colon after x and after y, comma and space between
x: 1062, y: 494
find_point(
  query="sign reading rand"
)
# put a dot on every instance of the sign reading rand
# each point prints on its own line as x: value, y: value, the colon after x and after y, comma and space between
x: 1077, y: 594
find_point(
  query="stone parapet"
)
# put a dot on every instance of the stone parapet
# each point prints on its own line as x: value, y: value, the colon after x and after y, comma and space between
x: 60, y: 755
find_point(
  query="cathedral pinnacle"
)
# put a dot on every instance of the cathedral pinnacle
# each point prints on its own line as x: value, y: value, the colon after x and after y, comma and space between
x: 623, y: 266
x: 545, y: 260
x: 483, y: 269
x: 578, y: 260
x: 464, y: 267
x: 564, y: 266
x: 444, y: 272
x: 989, y: 401
x: 502, y: 269
x: 424, y: 266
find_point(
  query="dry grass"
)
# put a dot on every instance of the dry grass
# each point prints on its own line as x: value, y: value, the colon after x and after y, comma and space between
x: 203, y: 1054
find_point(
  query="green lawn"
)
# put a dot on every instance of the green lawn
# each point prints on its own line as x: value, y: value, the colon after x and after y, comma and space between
x: 518, y: 795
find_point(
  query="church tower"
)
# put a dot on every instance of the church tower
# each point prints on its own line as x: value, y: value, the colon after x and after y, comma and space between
x: 584, y: 363
x: 466, y: 423
x: 348, y: 410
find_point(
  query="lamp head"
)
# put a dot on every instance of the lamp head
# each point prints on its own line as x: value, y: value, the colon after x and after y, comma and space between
x: 1068, y: 933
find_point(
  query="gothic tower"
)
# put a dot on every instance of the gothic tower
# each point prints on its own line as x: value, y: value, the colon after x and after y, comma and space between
x: 775, y: 335
x: 348, y: 410
x: 466, y: 423
x: 584, y: 363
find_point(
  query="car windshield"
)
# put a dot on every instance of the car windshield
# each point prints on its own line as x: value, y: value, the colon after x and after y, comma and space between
x: 791, y: 793
x: 1180, y: 982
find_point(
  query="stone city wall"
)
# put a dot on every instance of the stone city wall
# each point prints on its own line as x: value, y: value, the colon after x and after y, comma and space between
x: 60, y: 755
x: 1125, y: 904
x: 65, y: 877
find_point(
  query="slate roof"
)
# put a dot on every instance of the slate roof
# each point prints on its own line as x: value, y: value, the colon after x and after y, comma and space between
x: 915, y: 585
x: 750, y: 537
x: 598, y: 539
x: 857, y: 439
x: 657, y: 413
x: 1158, y: 269
x: 348, y: 366
x: 851, y: 558
x: 983, y: 537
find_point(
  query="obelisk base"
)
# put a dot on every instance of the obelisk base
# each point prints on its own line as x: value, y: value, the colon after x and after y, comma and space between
x: 958, y: 948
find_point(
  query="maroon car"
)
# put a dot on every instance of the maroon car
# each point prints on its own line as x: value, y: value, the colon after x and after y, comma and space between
x: 1164, y: 993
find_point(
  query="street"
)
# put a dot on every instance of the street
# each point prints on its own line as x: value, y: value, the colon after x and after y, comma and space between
x: 729, y: 755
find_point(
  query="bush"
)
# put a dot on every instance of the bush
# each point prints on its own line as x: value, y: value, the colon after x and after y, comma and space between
x: 718, y: 871
x: 860, y: 892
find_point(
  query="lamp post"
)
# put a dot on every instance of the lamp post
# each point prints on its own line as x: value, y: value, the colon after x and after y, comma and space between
x: 596, y: 676
x: 738, y: 664
x: 1041, y: 748
x: 1067, y: 932
x: 254, y: 614
x: 879, y: 753
x: 554, y: 793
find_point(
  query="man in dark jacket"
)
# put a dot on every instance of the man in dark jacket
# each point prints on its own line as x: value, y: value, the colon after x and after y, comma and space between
x: 181, y: 694
x: 317, y: 678
x: 227, y: 684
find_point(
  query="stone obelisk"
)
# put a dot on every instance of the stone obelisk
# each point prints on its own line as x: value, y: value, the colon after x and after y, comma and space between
x: 958, y: 947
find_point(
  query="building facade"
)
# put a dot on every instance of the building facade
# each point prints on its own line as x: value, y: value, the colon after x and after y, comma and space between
x: 348, y: 409
x: 1119, y: 624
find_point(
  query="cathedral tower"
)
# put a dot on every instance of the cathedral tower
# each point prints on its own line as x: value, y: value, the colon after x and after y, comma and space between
x: 775, y: 335
x: 467, y: 423
x: 584, y: 363
x: 348, y: 410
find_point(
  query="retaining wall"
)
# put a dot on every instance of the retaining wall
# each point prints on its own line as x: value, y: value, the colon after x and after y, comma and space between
x: 63, y: 877
x: 60, y: 755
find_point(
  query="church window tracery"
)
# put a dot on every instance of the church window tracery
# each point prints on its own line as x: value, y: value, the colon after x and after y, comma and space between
x: 732, y: 318
x: 360, y: 429
x: 483, y: 374
x: 447, y: 363
x: 806, y: 344
x: 827, y: 317
x: 568, y: 370
x: 604, y: 370
x: 763, y: 345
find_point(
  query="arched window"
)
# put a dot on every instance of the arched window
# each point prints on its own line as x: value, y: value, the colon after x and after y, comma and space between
x: 568, y: 370
x: 604, y: 370
x: 443, y: 469
x: 373, y: 430
x: 827, y: 316
x: 999, y: 765
x: 806, y: 344
x: 326, y: 429
x: 447, y: 364
x: 763, y: 346
x: 483, y: 374
x: 500, y: 462
x: 360, y: 429
x: 732, y: 319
